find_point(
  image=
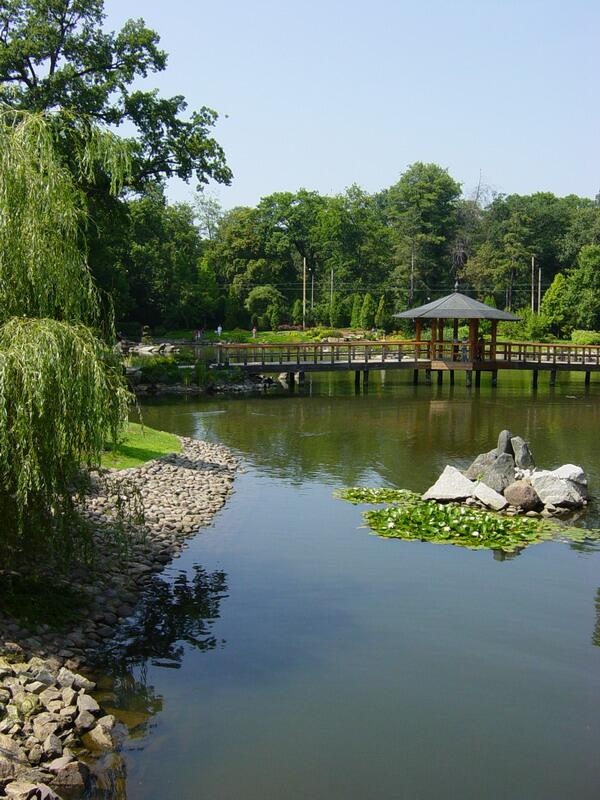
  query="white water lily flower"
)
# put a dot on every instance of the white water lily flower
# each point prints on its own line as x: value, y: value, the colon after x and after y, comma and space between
x: 475, y: 533
x: 447, y: 528
x: 390, y: 524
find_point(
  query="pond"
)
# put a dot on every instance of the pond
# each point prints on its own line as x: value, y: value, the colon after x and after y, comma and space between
x: 289, y: 653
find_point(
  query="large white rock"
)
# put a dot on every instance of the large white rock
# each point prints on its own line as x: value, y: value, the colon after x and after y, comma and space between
x: 451, y: 485
x: 489, y: 497
x: 553, y: 490
x: 571, y: 472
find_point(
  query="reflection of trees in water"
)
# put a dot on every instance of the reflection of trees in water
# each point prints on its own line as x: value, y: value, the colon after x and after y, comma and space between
x: 172, y: 614
x: 596, y: 634
x: 402, y: 433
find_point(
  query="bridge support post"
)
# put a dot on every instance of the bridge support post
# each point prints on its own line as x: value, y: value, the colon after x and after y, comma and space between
x: 365, y: 377
x: 291, y: 378
x: 478, y: 378
x: 451, y: 377
x: 357, y: 379
x: 494, y: 378
x: 428, y: 377
x: 588, y: 375
x: 415, y: 376
x: 301, y: 377
x: 535, y: 378
x: 468, y: 377
x: 440, y: 377
x: 552, y: 377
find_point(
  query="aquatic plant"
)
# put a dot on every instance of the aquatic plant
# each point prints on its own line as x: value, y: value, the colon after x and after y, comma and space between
x: 412, y: 518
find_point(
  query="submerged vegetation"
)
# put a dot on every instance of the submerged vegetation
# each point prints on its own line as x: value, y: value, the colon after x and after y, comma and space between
x: 412, y: 518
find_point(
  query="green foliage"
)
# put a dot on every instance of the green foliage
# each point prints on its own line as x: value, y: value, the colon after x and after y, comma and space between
x: 381, y: 315
x: 61, y: 389
x: 585, y: 337
x: 57, y: 55
x: 297, y: 312
x: 61, y: 394
x: 556, y: 306
x: 160, y: 369
x: 532, y: 327
x: 367, y: 312
x: 357, y: 304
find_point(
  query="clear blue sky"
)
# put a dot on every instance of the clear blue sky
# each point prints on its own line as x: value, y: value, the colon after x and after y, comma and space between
x: 326, y: 94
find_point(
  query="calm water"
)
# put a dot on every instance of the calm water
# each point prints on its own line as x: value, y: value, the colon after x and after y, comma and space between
x: 292, y: 655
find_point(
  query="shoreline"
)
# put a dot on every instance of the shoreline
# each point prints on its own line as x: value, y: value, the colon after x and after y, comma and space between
x: 44, y: 739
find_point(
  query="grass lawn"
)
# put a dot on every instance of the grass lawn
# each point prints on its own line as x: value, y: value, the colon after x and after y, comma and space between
x: 141, y: 444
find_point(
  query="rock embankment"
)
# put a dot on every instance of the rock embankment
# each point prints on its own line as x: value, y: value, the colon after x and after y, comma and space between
x: 48, y: 719
x: 506, y: 479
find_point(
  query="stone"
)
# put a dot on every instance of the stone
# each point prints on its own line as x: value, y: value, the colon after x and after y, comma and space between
x: 504, y: 443
x: 523, y: 495
x: 523, y: 457
x: 87, y: 703
x: 72, y: 680
x: 59, y: 763
x: 451, y: 485
x: 71, y: 780
x: 12, y: 757
x: 44, y: 725
x: 481, y: 463
x: 489, y: 497
x: 24, y: 790
x: 554, y: 490
x: 571, y: 472
x: 98, y: 738
x: 85, y: 721
x: 500, y: 474
x: 52, y: 746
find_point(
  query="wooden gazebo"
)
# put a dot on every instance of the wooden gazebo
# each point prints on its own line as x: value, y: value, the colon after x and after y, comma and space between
x: 457, y: 307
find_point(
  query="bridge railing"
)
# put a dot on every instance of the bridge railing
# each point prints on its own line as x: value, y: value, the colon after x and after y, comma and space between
x: 333, y: 353
x: 360, y: 354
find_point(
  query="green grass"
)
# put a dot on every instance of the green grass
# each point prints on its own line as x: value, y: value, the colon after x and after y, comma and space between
x: 141, y: 444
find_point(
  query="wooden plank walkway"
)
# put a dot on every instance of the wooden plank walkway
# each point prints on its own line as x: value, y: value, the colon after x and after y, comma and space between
x: 415, y: 355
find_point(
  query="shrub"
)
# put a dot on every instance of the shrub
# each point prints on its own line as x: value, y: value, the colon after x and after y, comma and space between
x: 160, y: 369
x: 585, y: 337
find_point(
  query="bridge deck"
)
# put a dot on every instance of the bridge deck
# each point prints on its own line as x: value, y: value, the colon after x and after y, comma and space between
x: 441, y: 356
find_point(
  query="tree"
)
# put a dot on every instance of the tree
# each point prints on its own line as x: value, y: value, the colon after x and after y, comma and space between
x: 266, y: 302
x: 356, y: 309
x: 335, y: 312
x: 584, y: 289
x: 380, y: 314
x: 556, y: 305
x: 297, y: 312
x: 61, y: 389
x: 55, y: 54
x: 422, y: 209
x: 367, y: 312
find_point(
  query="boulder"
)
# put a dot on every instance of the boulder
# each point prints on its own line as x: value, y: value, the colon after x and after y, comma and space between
x: 85, y: 721
x: 24, y: 790
x: 504, y: 443
x: 481, y: 463
x: 71, y: 780
x: 571, y: 472
x: 451, y: 485
x: 489, y: 497
x: 522, y: 495
x: 523, y: 457
x: 52, y: 746
x: 500, y: 474
x: 87, y: 703
x: 44, y: 725
x: 12, y: 757
x: 554, y: 490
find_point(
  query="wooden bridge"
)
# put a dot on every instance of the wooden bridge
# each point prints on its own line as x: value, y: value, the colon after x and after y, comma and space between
x: 419, y: 356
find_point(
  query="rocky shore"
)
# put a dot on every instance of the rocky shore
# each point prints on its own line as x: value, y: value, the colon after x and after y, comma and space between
x: 50, y: 724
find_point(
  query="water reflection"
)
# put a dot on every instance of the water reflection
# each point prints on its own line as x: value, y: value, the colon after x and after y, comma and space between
x: 173, y: 614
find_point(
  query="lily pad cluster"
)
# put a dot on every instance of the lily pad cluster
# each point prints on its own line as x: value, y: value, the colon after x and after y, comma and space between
x: 412, y: 518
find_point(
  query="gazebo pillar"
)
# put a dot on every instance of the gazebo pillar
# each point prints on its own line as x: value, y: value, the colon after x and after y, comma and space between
x: 473, y: 331
x: 441, y: 338
x: 455, y: 340
x: 493, y: 340
x: 433, y: 338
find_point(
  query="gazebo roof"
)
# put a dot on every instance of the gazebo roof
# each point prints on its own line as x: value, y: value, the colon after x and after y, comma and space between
x: 456, y: 306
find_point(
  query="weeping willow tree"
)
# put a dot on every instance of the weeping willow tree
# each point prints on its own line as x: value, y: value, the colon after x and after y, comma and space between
x: 62, y: 394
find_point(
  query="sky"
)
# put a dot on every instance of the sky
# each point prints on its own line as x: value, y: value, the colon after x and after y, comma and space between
x: 325, y: 94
